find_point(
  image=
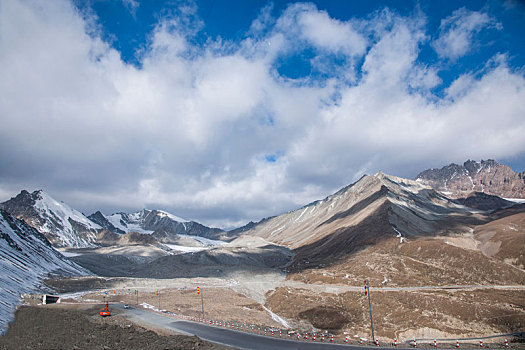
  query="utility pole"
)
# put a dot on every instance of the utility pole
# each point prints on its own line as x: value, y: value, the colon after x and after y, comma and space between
x: 367, y: 292
x: 202, y: 302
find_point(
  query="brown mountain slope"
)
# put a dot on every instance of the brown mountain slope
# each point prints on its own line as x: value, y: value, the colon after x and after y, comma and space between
x: 374, y: 209
x: 504, y: 239
x: 404, y: 236
x: 415, y: 262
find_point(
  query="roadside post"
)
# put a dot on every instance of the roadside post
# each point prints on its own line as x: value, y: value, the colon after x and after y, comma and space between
x: 202, y: 301
x: 158, y: 294
x: 137, y: 294
x: 367, y: 292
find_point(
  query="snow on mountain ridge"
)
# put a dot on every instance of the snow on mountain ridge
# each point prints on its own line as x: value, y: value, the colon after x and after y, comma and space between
x: 61, y: 224
x: 162, y: 213
x: 46, y: 203
x: 128, y: 222
x: 26, y: 257
x: 144, y: 220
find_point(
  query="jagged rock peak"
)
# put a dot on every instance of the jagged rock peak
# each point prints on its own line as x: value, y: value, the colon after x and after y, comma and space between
x: 61, y: 224
x: 486, y: 176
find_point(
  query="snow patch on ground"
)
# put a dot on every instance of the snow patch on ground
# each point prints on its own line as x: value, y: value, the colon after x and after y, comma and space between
x: 206, y: 241
x: 68, y: 254
x: 277, y: 230
x: 401, y: 238
x: 277, y: 318
x: 75, y: 295
x: 515, y: 200
x: 151, y: 307
x: 302, y: 213
x: 181, y: 248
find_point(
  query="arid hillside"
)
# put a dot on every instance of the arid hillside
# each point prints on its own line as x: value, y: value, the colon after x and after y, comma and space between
x: 374, y: 209
x: 402, y: 236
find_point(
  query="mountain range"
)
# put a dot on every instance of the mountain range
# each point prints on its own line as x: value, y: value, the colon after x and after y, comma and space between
x: 430, y: 231
x: 473, y: 184
x: 64, y: 226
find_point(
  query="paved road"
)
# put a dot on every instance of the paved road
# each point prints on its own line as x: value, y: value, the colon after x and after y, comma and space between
x: 236, y: 339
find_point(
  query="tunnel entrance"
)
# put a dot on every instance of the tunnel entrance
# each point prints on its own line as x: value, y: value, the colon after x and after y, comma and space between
x: 50, y: 299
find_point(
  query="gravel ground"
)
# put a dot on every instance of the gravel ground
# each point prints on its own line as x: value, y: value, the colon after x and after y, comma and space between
x: 82, y: 328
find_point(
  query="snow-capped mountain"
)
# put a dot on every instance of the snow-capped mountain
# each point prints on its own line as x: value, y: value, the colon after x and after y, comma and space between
x: 487, y: 176
x: 64, y: 226
x: 61, y: 224
x: 162, y: 225
x: 102, y: 221
x: 26, y: 257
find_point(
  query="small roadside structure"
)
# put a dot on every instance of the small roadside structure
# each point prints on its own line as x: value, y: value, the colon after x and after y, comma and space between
x: 50, y: 299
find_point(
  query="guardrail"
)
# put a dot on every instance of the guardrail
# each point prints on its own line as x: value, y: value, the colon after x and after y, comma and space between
x: 326, y: 337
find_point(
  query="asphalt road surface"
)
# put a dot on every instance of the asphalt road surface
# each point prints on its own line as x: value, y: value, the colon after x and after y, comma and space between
x: 229, y: 337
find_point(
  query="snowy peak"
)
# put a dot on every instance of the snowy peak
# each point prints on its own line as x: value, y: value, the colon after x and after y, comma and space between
x: 164, y: 214
x: 26, y: 257
x: 162, y: 225
x: 61, y: 224
x: 486, y: 176
x: 103, y: 222
x: 133, y: 222
x: 44, y: 203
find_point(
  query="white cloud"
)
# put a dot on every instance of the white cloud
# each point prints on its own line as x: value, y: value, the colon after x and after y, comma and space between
x: 189, y: 131
x: 325, y: 32
x: 457, y: 32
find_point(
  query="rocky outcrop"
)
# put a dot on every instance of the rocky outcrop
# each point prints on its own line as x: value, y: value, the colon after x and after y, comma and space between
x: 488, y: 177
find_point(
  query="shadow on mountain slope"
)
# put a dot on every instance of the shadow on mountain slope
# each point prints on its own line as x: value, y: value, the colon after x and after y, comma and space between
x: 215, y: 262
x: 457, y: 252
x: 387, y: 221
x: 358, y: 207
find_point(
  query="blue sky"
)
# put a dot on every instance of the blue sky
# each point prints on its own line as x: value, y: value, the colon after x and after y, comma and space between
x: 230, y: 111
x: 127, y: 25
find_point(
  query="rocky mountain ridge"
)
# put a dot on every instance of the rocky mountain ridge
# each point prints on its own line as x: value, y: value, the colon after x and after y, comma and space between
x: 64, y: 226
x: 486, y: 176
x: 160, y: 224
x: 26, y: 257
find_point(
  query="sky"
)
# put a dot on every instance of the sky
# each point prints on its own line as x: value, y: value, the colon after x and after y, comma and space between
x: 228, y: 111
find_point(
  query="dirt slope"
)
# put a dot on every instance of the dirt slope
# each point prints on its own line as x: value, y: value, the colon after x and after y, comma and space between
x: 504, y: 239
x: 405, y: 314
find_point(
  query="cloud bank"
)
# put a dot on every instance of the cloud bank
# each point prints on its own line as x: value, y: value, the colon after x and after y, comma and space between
x: 217, y: 133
